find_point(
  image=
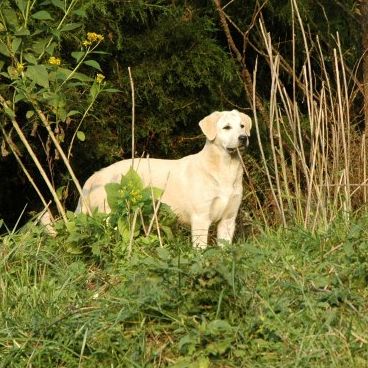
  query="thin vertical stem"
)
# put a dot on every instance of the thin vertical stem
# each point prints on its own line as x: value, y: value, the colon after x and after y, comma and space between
x: 133, y: 113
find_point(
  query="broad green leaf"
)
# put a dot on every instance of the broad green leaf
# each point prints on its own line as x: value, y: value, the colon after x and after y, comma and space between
x: 70, y: 27
x: 38, y: 74
x: 60, y: 74
x: 123, y: 229
x: 37, y: 32
x: 82, y: 77
x: 95, y: 88
x: 39, y: 46
x: 11, y: 18
x: 9, y: 112
x: 30, y: 58
x: 2, y: 63
x: 4, y: 50
x: 22, y: 32
x: 112, y: 194
x: 59, y: 4
x: 80, y: 12
x: 77, y: 55
x: 51, y: 48
x: 73, y: 112
x: 63, y: 73
x: 62, y: 114
x: 19, y: 97
x: 42, y: 15
x: 164, y: 254
x: 93, y: 64
x: 15, y: 44
x: 81, y: 136
x: 56, y: 32
x: 22, y: 5
x: 132, y: 179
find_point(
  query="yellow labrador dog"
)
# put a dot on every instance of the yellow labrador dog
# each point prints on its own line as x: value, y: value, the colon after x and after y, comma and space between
x: 201, y: 189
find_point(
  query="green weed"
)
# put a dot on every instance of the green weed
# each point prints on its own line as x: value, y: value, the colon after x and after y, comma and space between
x: 287, y: 298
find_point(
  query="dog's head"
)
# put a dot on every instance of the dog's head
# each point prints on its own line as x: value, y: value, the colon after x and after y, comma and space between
x: 229, y: 129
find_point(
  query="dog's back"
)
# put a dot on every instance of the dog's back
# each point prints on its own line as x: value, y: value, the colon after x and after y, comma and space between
x: 154, y: 172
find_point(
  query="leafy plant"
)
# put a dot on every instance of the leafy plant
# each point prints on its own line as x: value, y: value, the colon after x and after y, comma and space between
x: 134, y: 208
x: 42, y: 88
x: 136, y: 216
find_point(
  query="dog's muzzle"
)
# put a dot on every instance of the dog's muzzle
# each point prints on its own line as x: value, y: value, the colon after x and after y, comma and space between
x: 244, y: 140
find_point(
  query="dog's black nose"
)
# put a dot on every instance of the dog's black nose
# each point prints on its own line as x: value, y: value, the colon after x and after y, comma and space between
x: 244, y: 139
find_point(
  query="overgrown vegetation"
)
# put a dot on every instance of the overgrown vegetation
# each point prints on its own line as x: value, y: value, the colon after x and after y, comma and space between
x: 283, y: 299
x: 127, y: 289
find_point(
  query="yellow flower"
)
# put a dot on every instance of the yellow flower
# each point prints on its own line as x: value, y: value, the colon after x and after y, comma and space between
x: 19, y: 67
x: 100, y: 78
x: 54, y: 60
x: 94, y: 37
x: 86, y: 43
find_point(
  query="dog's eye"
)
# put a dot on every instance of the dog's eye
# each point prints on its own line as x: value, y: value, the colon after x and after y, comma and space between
x: 227, y: 127
x: 241, y: 125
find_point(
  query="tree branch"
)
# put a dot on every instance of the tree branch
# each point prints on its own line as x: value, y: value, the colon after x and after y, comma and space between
x: 240, y: 58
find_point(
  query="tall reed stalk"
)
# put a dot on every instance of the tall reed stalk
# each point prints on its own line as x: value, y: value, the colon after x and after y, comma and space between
x: 310, y: 168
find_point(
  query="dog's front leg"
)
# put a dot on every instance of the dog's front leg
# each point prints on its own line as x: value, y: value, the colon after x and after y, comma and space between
x: 200, y: 225
x: 225, y: 230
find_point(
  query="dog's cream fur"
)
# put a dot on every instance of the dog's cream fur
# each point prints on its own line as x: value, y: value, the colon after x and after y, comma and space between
x: 201, y: 189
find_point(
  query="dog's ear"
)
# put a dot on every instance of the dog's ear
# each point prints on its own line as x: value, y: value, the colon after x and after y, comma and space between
x: 247, y: 121
x: 209, y: 125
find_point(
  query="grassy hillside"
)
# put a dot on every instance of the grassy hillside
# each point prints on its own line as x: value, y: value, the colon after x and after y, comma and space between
x: 284, y: 299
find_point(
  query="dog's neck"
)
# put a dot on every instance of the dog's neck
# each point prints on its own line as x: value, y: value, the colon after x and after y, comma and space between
x: 217, y: 155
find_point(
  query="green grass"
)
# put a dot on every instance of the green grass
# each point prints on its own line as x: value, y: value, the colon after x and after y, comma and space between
x: 287, y: 298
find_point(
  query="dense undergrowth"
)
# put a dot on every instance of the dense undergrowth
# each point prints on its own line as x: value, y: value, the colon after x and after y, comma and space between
x: 287, y: 298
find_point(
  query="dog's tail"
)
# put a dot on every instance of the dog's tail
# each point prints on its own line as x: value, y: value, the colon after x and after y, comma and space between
x: 83, y: 203
x: 79, y: 206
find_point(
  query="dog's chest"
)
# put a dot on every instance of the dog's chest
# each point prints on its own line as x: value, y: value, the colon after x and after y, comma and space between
x: 225, y: 202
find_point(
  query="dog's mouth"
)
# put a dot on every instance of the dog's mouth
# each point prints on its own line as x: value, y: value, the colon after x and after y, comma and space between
x: 232, y: 150
x: 241, y: 147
